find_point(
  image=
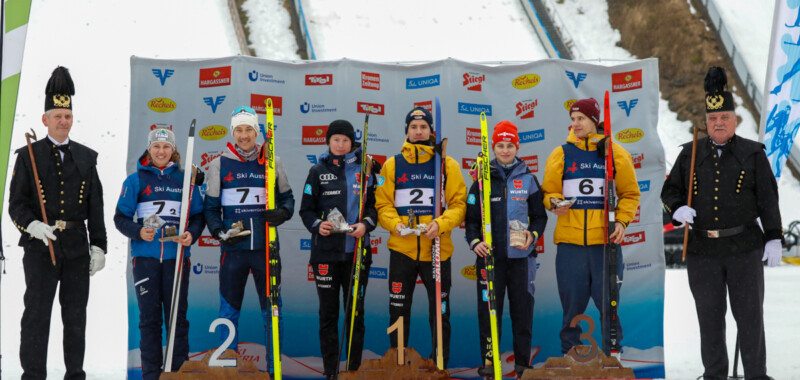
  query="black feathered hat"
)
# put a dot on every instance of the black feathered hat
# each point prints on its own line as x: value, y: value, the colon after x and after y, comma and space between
x: 59, y: 90
x: 718, y: 99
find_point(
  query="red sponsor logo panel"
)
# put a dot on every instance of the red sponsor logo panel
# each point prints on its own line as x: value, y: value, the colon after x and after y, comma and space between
x: 532, y: 162
x: 207, y: 241
x: 638, y: 214
x: 310, y: 273
x: 362, y: 107
x: 473, y: 81
x: 380, y: 158
x: 215, y: 76
x: 517, y: 183
x: 323, y: 269
x: 428, y: 105
x: 637, y: 160
x: 473, y: 136
x: 629, y: 80
x: 374, y: 244
x: 483, y: 274
x: 634, y: 238
x: 319, y: 79
x: 206, y: 158
x: 370, y: 81
x: 525, y: 108
x: 397, y: 287
x: 258, y: 103
x: 314, y: 134
x: 467, y: 163
x: 540, y: 246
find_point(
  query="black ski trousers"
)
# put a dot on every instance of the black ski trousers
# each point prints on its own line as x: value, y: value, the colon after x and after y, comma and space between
x: 41, y: 281
x: 711, y: 278
x: 403, y: 272
x: 331, y: 278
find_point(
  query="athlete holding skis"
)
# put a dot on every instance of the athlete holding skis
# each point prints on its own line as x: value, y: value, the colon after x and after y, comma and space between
x: 407, y: 184
x: 515, y: 195
x: 335, y: 183
x: 235, y: 193
x: 156, y: 189
x: 576, y: 169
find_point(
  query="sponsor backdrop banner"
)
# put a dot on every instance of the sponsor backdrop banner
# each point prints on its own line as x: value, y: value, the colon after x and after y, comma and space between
x: 309, y: 95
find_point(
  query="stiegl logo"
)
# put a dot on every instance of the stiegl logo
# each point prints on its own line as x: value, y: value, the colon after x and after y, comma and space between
x: 473, y: 81
x: 525, y: 108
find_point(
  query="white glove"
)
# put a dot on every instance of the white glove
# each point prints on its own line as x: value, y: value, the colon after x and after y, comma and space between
x: 773, y: 252
x: 41, y: 231
x: 97, y: 260
x: 683, y: 215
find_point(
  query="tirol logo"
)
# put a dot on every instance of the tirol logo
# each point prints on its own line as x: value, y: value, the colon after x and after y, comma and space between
x: 207, y: 241
x: 525, y: 81
x: 634, y: 238
x: 540, y: 247
x: 630, y: 135
x: 531, y: 136
x: 314, y: 134
x: 525, y: 108
x: 162, y: 105
x: 638, y: 215
x: 467, y: 163
x: 305, y: 244
x: 362, y: 107
x: 428, y: 105
x: 629, y: 80
x: 576, y: 79
x: 473, y: 81
x: 215, y: 76
x: 469, y: 273
x: 319, y: 79
x: 532, y: 162
x: 213, y: 132
x: 517, y: 183
x: 473, y: 136
x: 258, y: 103
x: 323, y: 269
x: 627, y: 107
x: 422, y: 82
x: 162, y: 75
x: 568, y: 104
x: 206, y: 158
x: 214, y: 102
x: 397, y: 287
x: 474, y: 109
x: 370, y: 81
x: 637, y: 160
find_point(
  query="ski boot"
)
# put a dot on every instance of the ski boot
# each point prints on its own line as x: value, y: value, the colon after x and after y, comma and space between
x: 486, y: 373
x: 519, y: 370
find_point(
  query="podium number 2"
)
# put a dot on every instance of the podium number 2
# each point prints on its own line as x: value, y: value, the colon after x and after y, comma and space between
x: 214, y: 360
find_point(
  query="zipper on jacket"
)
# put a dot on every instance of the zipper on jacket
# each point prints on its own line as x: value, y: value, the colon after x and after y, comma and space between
x: 586, y: 212
x: 419, y: 241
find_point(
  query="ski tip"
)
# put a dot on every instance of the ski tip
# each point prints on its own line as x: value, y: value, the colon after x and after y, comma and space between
x: 268, y: 102
x: 483, y: 116
x: 191, y: 127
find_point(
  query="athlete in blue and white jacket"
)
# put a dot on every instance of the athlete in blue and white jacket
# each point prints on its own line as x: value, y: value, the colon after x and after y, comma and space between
x: 156, y: 188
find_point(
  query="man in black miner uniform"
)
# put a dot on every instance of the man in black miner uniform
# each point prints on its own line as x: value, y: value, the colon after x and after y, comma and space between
x: 733, y: 186
x: 72, y: 195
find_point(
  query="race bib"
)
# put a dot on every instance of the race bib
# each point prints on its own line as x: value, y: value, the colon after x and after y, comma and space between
x: 413, y: 197
x: 160, y: 208
x: 583, y: 187
x: 242, y: 196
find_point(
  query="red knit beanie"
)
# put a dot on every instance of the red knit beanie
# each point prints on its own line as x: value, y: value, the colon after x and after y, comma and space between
x: 505, y: 131
x: 588, y: 107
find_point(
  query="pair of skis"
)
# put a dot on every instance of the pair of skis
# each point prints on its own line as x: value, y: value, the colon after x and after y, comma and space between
x: 610, y: 286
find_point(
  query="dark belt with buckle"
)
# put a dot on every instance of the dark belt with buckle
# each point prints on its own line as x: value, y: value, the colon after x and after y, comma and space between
x: 69, y: 224
x: 727, y: 232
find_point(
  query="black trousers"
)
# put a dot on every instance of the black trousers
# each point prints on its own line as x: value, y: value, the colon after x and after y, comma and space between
x: 711, y: 278
x: 403, y: 272
x: 41, y: 281
x: 331, y: 278
x: 512, y: 275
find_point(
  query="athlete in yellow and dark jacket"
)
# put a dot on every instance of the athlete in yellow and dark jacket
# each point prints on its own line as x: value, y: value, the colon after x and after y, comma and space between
x: 407, y: 183
x: 577, y: 170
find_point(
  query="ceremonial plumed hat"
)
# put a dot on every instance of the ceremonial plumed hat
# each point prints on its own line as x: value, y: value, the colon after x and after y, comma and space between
x: 718, y: 98
x: 59, y: 90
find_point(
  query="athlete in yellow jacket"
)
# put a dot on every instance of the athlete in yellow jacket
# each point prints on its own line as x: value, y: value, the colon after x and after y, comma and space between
x: 406, y: 184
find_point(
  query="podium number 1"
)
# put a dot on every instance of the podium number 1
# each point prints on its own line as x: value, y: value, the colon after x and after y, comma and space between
x: 398, y: 325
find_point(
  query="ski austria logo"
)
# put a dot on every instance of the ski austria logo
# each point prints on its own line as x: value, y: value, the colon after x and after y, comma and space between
x: 568, y: 104
x: 362, y: 107
x: 214, y: 102
x: 474, y: 109
x: 469, y: 273
x: 471, y: 199
x: 370, y: 81
x: 627, y: 107
x: 634, y: 238
x: 532, y: 162
x: 576, y: 79
x: 162, y: 75
x: 307, y: 189
x: 531, y: 136
x: 259, y: 103
x: 644, y: 186
x: 213, y: 132
x: 319, y: 79
x: 305, y: 244
x: 467, y: 163
x: 525, y: 81
x: 314, y: 134
x: 629, y: 80
x: 422, y: 82
x: 207, y: 241
x: 473, y: 136
x: 637, y: 160
x: 428, y: 105
x: 377, y: 272
x: 525, y: 108
x: 473, y: 81
x: 630, y: 135
x: 162, y: 105
x: 215, y: 76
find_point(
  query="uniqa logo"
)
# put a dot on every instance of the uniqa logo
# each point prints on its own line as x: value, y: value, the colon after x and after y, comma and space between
x: 525, y: 81
x: 213, y: 132
x: 162, y: 105
x: 630, y: 135
x: 469, y: 273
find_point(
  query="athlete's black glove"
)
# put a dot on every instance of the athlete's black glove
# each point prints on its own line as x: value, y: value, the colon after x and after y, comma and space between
x: 277, y: 216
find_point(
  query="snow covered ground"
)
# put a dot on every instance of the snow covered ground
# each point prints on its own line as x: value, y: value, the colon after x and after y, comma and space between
x: 97, y: 51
